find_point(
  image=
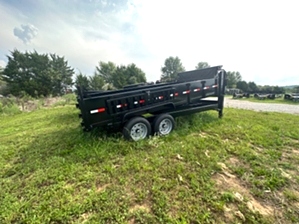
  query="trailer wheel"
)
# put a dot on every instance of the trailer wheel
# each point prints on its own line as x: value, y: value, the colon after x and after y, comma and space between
x: 136, y: 129
x: 163, y: 124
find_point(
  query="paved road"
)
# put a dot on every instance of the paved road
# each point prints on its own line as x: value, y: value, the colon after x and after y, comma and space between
x: 270, y: 107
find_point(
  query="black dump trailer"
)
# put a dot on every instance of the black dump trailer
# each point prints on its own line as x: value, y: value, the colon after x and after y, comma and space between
x: 145, y: 109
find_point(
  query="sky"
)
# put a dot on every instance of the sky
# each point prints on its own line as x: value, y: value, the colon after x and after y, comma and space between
x: 260, y: 39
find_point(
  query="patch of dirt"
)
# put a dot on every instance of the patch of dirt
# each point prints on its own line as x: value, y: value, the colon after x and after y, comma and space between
x: 235, y: 185
x: 295, y: 151
x: 234, y: 161
x: 144, y: 207
x: 131, y: 221
x: 289, y: 157
x: 68, y: 186
x: 293, y: 173
x: 257, y: 147
x: 285, y: 174
x: 102, y: 188
x: 29, y: 106
x: 50, y: 101
x: 201, y: 134
x: 290, y: 151
x: 225, y: 170
x: 229, y: 182
x: 84, y: 217
x: 229, y: 212
x: 32, y: 105
x: 295, y: 141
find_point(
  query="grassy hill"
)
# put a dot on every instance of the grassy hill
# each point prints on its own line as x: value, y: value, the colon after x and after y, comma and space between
x: 242, y: 168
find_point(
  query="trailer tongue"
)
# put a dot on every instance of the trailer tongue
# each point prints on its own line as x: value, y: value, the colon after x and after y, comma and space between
x: 161, y: 103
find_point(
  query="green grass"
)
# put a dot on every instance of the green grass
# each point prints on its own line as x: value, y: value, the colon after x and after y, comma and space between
x: 277, y: 100
x: 52, y: 172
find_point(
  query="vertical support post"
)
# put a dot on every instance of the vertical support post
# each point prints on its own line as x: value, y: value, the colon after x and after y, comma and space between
x: 221, y: 89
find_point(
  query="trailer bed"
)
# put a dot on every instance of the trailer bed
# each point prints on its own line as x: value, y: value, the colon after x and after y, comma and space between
x: 187, y: 94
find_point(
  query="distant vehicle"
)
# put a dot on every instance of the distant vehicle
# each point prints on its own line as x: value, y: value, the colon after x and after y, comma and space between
x: 292, y: 96
x: 266, y: 96
x: 144, y: 109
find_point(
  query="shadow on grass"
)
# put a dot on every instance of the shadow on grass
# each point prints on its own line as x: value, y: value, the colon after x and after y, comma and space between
x: 184, y: 126
x: 196, y: 122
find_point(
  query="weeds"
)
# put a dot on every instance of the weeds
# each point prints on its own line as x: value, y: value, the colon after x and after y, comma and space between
x: 11, y: 105
x: 9, y: 109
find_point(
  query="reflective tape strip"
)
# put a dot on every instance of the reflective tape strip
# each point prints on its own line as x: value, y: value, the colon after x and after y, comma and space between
x: 196, y: 90
x: 136, y: 102
x: 160, y: 97
x: 122, y: 105
x: 176, y: 94
x: 94, y: 111
x: 100, y: 110
x: 206, y: 87
x: 186, y: 92
x: 171, y: 95
x: 141, y: 101
x: 214, y: 86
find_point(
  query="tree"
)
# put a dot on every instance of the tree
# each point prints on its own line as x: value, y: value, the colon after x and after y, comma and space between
x: 238, y: 76
x: 253, y: 87
x: 135, y: 74
x: 82, y: 81
x: 201, y: 65
x: 278, y: 90
x: 266, y: 89
x: 96, y: 82
x: 61, y: 74
x: 106, y: 70
x: 36, y: 74
x: 242, y: 85
x: 2, y: 83
x: 120, y: 76
x: 172, y: 66
x: 296, y: 89
x: 233, y: 78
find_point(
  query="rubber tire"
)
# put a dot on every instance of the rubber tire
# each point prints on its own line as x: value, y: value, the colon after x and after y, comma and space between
x: 128, y: 126
x: 158, y: 120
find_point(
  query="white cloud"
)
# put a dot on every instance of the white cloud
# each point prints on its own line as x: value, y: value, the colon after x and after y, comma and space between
x: 26, y: 33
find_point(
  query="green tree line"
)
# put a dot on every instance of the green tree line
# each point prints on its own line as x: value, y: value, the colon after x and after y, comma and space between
x: 111, y: 76
x: 173, y: 66
x: 49, y: 74
x: 38, y: 75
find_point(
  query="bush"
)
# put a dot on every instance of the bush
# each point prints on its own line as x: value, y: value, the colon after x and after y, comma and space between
x: 69, y: 98
x: 8, y: 101
x: 9, y: 108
